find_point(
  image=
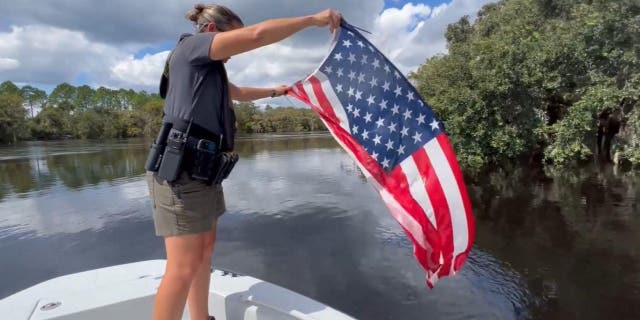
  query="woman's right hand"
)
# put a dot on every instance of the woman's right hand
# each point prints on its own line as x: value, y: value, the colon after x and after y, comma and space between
x: 327, y: 17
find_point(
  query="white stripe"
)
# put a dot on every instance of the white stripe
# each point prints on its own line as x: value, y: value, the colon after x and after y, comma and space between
x: 404, y: 218
x: 306, y: 85
x: 451, y: 191
x: 418, y: 189
x: 338, y: 109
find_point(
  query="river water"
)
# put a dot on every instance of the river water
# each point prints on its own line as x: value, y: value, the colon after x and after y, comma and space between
x: 550, y: 244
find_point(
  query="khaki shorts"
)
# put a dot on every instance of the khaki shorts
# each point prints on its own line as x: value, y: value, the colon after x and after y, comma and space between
x: 186, y: 207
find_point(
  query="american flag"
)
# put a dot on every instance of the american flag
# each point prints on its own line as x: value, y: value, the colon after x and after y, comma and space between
x: 380, y: 119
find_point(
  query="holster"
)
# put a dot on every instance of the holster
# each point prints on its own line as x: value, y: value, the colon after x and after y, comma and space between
x: 209, y: 167
x: 156, y: 151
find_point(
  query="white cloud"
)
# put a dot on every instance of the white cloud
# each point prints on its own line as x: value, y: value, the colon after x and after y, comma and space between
x: 52, y: 55
x: 140, y: 72
x: 8, y: 64
x: 275, y: 64
x: 413, y: 33
x: 439, y: 9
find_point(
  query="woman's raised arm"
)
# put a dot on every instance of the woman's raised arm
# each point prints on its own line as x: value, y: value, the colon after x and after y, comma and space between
x: 230, y: 43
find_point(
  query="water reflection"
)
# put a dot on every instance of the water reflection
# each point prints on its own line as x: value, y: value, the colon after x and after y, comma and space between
x: 36, y: 166
x: 572, y: 234
x: 551, y: 244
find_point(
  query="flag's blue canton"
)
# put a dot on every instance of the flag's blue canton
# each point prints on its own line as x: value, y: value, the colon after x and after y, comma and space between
x: 386, y: 114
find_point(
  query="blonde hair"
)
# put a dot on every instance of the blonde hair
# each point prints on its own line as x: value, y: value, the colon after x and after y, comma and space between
x: 223, y: 17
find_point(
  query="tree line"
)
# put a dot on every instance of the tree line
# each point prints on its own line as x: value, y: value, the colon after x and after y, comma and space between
x: 82, y: 112
x: 528, y: 79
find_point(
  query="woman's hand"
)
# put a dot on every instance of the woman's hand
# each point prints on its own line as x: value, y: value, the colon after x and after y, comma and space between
x: 327, y: 17
x: 280, y: 90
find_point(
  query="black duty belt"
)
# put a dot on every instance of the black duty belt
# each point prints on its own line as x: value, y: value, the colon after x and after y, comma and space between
x: 196, y: 132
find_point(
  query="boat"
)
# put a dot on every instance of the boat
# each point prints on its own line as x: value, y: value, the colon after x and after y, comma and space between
x: 127, y: 291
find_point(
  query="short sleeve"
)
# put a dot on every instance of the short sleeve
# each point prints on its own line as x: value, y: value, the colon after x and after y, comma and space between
x: 196, y: 48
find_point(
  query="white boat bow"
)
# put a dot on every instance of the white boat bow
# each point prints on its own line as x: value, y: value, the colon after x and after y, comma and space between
x: 127, y: 292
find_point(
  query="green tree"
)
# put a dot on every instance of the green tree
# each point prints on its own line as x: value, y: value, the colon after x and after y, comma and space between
x: 9, y: 88
x: 33, y: 97
x: 12, y: 116
x: 529, y: 76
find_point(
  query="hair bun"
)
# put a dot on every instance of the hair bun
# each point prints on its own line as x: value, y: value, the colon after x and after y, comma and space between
x: 194, y: 13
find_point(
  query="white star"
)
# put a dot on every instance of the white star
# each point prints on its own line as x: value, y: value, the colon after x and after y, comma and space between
x: 417, y: 137
x: 350, y: 33
x: 376, y: 64
x: 361, y: 78
x: 352, y: 75
x: 420, y: 119
x: 367, y: 117
x: 350, y: 108
x: 376, y: 140
x: 373, y: 82
x: 401, y: 149
x: 398, y: 91
x: 370, y: 47
x: 350, y: 92
x: 386, y: 68
x: 355, y: 129
x: 338, y: 56
x: 364, y: 59
x: 389, y: 145
x: 371, y: 100
x: 346, y: 43
x: 386, y: 86
x: 328, y: 69
x: 404, y: 131
x: 410, y: 96
x: 352, y: 58
x: 339, y: 88
x: 421, y: 103
x: 397, y: 74
x: 358, y: 95
x: 365, y: 135
x: 361, y: 44
x: 395, y: 109
x: 356, y: 113
x: 383, y: 104
x: 375, y: 156
x: 339, y: 72
x: 435, y: 125
x: 385, y: 163
x: 407, y: 114
x: 380, y: 122
x: 392, y: 127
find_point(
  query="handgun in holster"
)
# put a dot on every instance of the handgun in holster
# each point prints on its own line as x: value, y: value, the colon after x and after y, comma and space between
x: 171, y: 164
x: 156, y: 151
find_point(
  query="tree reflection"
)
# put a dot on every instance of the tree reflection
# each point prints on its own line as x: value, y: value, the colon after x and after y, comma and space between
x: 570, y: 233
x: 77, y: 164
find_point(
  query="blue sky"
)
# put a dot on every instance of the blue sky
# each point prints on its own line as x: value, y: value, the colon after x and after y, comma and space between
x: 124, y: 44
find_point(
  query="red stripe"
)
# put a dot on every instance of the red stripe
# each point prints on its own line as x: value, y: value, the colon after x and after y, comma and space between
x: 445, y: 145
x: 440, y: 206
x: 396, y: 183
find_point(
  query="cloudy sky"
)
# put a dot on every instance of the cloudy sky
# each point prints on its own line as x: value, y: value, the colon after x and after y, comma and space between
x: 123, y: 43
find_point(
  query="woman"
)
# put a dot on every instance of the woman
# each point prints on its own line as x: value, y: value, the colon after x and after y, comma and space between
x: 185, y: 211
